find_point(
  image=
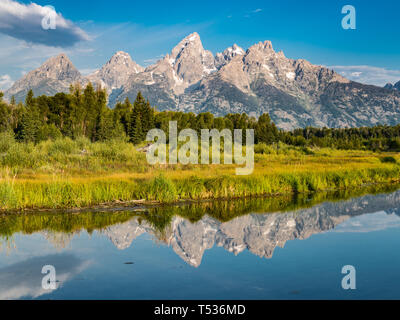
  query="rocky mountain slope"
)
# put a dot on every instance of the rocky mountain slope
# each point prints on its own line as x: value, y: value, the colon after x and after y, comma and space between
x: 55, y: 75
x: 116, y: 72
x: 295, y: 93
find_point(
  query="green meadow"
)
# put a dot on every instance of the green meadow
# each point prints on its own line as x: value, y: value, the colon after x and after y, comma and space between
x: 66, y: 173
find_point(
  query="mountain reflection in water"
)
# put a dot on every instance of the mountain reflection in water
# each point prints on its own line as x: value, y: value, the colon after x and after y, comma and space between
x: 256, y: 225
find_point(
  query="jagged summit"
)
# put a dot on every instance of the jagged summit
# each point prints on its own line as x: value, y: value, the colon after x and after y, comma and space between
x: 258, y: 80
x: 228, y: 54
x: 236, y: 50
x: 57, y: 68
x: 186, y: 65
x: 60, y: 57
x: 192, y: 40
x: 190, y: 61
x: 116, y: 72
x: 54, y: 76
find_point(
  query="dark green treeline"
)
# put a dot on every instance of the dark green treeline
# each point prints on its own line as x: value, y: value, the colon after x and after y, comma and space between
x: 84, y: 112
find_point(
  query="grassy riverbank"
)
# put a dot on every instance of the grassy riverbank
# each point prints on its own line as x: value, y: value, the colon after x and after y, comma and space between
x: 160, y: 217
x: 69, y: 174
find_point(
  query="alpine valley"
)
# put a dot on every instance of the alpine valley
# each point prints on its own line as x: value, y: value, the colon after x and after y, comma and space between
x: 260, y: 80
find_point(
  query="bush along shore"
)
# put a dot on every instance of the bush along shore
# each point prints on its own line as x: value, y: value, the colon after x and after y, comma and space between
x: 78, y: 173
x: 73, y: 151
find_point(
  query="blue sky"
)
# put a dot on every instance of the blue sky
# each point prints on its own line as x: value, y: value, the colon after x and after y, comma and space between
x: 149, y: 29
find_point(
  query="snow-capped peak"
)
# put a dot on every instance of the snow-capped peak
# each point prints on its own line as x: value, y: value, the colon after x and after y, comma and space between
x: 192, y: 43
x: 237, y: 50
x: 228, y: 54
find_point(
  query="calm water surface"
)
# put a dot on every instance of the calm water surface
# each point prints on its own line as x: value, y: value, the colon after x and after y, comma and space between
x: 284, y: 248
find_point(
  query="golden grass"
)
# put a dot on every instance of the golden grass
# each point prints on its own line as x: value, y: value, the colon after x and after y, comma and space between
x: 59, y: 175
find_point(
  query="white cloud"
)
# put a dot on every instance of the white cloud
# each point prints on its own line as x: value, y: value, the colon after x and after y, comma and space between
x: 368, y: 74
x: 249, y: 14
x: 153, y: 60
x: 5, y: 82
x: 369, y: 222
x: 24, y: 22
x: 22, y: 280
x: 86, y: 72
x: 19, y: 57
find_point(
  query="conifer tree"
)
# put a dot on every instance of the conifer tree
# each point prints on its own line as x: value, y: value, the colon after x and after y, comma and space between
x: 12, y: 101
x: 266, y: 131
x: 147, y: 118
x: 136, y: 133
x: 30, y: 122
x: 89, y: 109
x: 5, y: 113
x: 122, y: 112
x: 29, y: 100
x: 77, y: 114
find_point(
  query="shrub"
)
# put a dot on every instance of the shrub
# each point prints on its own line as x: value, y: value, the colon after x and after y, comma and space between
x: 388, y: 160
x: 48, y: 131
x: 263, y: 148
x: 6, y: 141
x: 62, y: 146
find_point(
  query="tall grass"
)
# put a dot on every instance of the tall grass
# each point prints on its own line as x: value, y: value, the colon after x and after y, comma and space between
x: 69, y: 173
x: 66, y: 193
x: 160, y: 217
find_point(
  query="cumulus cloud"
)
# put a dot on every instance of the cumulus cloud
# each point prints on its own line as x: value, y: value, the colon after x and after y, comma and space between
x: 368, y: 74
x: 24, y: 22
x: 5, y: 82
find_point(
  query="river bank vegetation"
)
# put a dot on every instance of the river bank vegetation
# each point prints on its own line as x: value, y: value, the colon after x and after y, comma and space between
x: 160, y: 218
x: 71, y: 151
x: 67, y: 173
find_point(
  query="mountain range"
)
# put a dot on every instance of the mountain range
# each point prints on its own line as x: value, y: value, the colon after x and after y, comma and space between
x: 258, y: 80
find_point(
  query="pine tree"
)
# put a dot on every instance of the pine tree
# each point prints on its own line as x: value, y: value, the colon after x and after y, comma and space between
x: 89, y: 109
x: 147, y: 118
x: 136, y: 132
x: 30, y: 124
x: 122, y: 113
x: 29, y: 100
x: 101, y: 115
x: 16, y: 115
x: 12, y: 101
x: 77, y: 114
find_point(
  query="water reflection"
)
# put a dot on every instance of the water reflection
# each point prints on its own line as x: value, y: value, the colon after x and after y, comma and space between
x: 23, y: 279
x: 256, y: 225
x: 258, y: 233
